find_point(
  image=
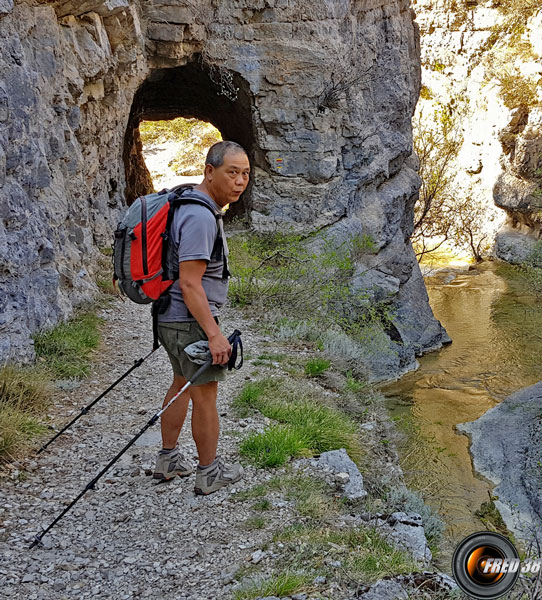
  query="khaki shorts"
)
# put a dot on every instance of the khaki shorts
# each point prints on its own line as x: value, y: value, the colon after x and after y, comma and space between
x: 175, y: 337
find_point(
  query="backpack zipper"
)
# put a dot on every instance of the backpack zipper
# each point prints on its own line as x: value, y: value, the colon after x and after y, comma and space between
x: 144, y: 235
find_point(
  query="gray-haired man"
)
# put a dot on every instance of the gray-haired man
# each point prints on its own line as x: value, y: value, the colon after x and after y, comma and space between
x: 196, y: 299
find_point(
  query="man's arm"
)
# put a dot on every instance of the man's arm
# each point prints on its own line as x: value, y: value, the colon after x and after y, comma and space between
x: 190, y: 275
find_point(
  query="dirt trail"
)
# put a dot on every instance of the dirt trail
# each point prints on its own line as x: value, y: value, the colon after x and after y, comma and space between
x: 128, y: 538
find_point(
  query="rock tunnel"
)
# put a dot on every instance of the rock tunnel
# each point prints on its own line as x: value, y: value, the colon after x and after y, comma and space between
x: 188, y: 91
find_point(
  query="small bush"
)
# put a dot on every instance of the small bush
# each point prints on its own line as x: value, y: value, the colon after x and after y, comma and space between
x: 316, y: 366
x: 310, y: 494
x: 426, y: 93
x: 534, y: 259
x: 491, y: 517
x: 256, y: 522
x: 364, y: 553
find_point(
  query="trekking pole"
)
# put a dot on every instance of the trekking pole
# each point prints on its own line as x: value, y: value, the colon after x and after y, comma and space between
x: 85, y: 410
x: 234, y: 339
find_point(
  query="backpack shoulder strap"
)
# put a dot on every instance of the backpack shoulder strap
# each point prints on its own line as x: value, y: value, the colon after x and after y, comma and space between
x: 181, y: 199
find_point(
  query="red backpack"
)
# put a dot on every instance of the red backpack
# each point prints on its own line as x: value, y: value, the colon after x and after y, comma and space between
x: 142, y: 255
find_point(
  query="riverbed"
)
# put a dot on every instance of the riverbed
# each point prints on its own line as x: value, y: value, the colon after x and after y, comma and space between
x: 495, y: 322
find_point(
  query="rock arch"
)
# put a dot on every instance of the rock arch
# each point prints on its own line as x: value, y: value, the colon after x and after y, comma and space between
x: 188, y: 91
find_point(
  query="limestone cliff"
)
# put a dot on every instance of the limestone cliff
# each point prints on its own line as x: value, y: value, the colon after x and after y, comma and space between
x: 484, y: 56
x: 321, y: 94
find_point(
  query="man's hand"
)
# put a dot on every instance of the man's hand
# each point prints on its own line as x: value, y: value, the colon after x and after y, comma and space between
x: 220, y: 349
x: 190, y: 274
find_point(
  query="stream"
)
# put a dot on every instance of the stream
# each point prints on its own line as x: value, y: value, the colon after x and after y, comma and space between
x: 495, y: 323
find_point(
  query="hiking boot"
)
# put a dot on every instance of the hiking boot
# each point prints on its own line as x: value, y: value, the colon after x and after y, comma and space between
x: 170, y: 463
x: 215, y: 476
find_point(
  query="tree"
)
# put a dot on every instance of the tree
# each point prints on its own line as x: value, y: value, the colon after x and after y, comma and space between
x: 444, y: 213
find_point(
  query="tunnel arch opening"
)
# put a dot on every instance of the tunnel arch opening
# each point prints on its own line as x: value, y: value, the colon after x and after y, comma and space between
x: 188, y: 91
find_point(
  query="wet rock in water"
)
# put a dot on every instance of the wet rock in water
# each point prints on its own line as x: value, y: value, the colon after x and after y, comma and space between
x: 506, y: 449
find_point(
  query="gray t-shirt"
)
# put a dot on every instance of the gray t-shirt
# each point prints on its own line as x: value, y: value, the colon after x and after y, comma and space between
x: 193, y: 235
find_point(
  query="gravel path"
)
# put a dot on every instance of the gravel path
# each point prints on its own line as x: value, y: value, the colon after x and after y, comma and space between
x: 128, y: 538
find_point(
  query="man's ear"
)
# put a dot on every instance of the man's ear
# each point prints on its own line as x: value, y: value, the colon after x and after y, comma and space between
x: 209, y: 172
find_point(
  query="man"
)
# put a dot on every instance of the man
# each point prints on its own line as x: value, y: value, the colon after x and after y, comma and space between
x: 192, y: 315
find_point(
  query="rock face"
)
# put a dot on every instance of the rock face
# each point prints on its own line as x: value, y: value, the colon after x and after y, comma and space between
x: 505, y: 444
x: 484, y: 63
x: 320, y: 95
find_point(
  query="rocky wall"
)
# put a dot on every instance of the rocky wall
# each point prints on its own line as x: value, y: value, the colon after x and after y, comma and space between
x: 320, y: 94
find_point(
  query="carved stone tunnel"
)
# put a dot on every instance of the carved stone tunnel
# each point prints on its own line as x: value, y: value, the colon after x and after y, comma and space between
x: 188, y: 91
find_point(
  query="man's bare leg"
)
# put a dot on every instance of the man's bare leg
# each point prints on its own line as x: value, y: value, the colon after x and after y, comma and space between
x: 205, y: 425
x: 172, y: 420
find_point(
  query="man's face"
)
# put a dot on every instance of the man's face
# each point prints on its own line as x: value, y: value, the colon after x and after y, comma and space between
x: 227, y: 182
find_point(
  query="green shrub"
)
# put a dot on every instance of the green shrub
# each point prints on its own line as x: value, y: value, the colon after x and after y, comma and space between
x: 426, y: 93
x: 306, y: 294
x: 403, y: 499
x: 316, y: 366
x: 364, y: 553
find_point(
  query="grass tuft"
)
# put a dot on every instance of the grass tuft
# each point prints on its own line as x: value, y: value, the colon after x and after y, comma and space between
x: 305, y: 426
x: 273, y: 447
x: 24, y: 395
x: 282, y: 584
x: 66, y: 349
x: 364, y: 553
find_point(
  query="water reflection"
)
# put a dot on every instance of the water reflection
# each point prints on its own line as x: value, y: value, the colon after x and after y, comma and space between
x: 494, y: 323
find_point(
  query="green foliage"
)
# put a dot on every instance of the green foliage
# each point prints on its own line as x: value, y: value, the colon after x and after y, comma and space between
x: 24, y: 396
x: 534, y: 259
x: 262, y: 505
x: 316, y: 366
x: 491, y: 517
x: 311, y: 495
x: 530, y: 271
x: 255, y: 522
x: 66, y: 349
x: 190, y: 160
x: 197, y: 137
x: 281, y: 275
x: 515, y: 89
x: 256, y: 491
x: 282, y: 584
x: 505, y: 48
x: 355, y: 386
x: 442, y: 213
x: 438, y: 66
x: 364, y: 553
x: 306, y: 426
x: 273, y: 447
x: 157, y: 132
